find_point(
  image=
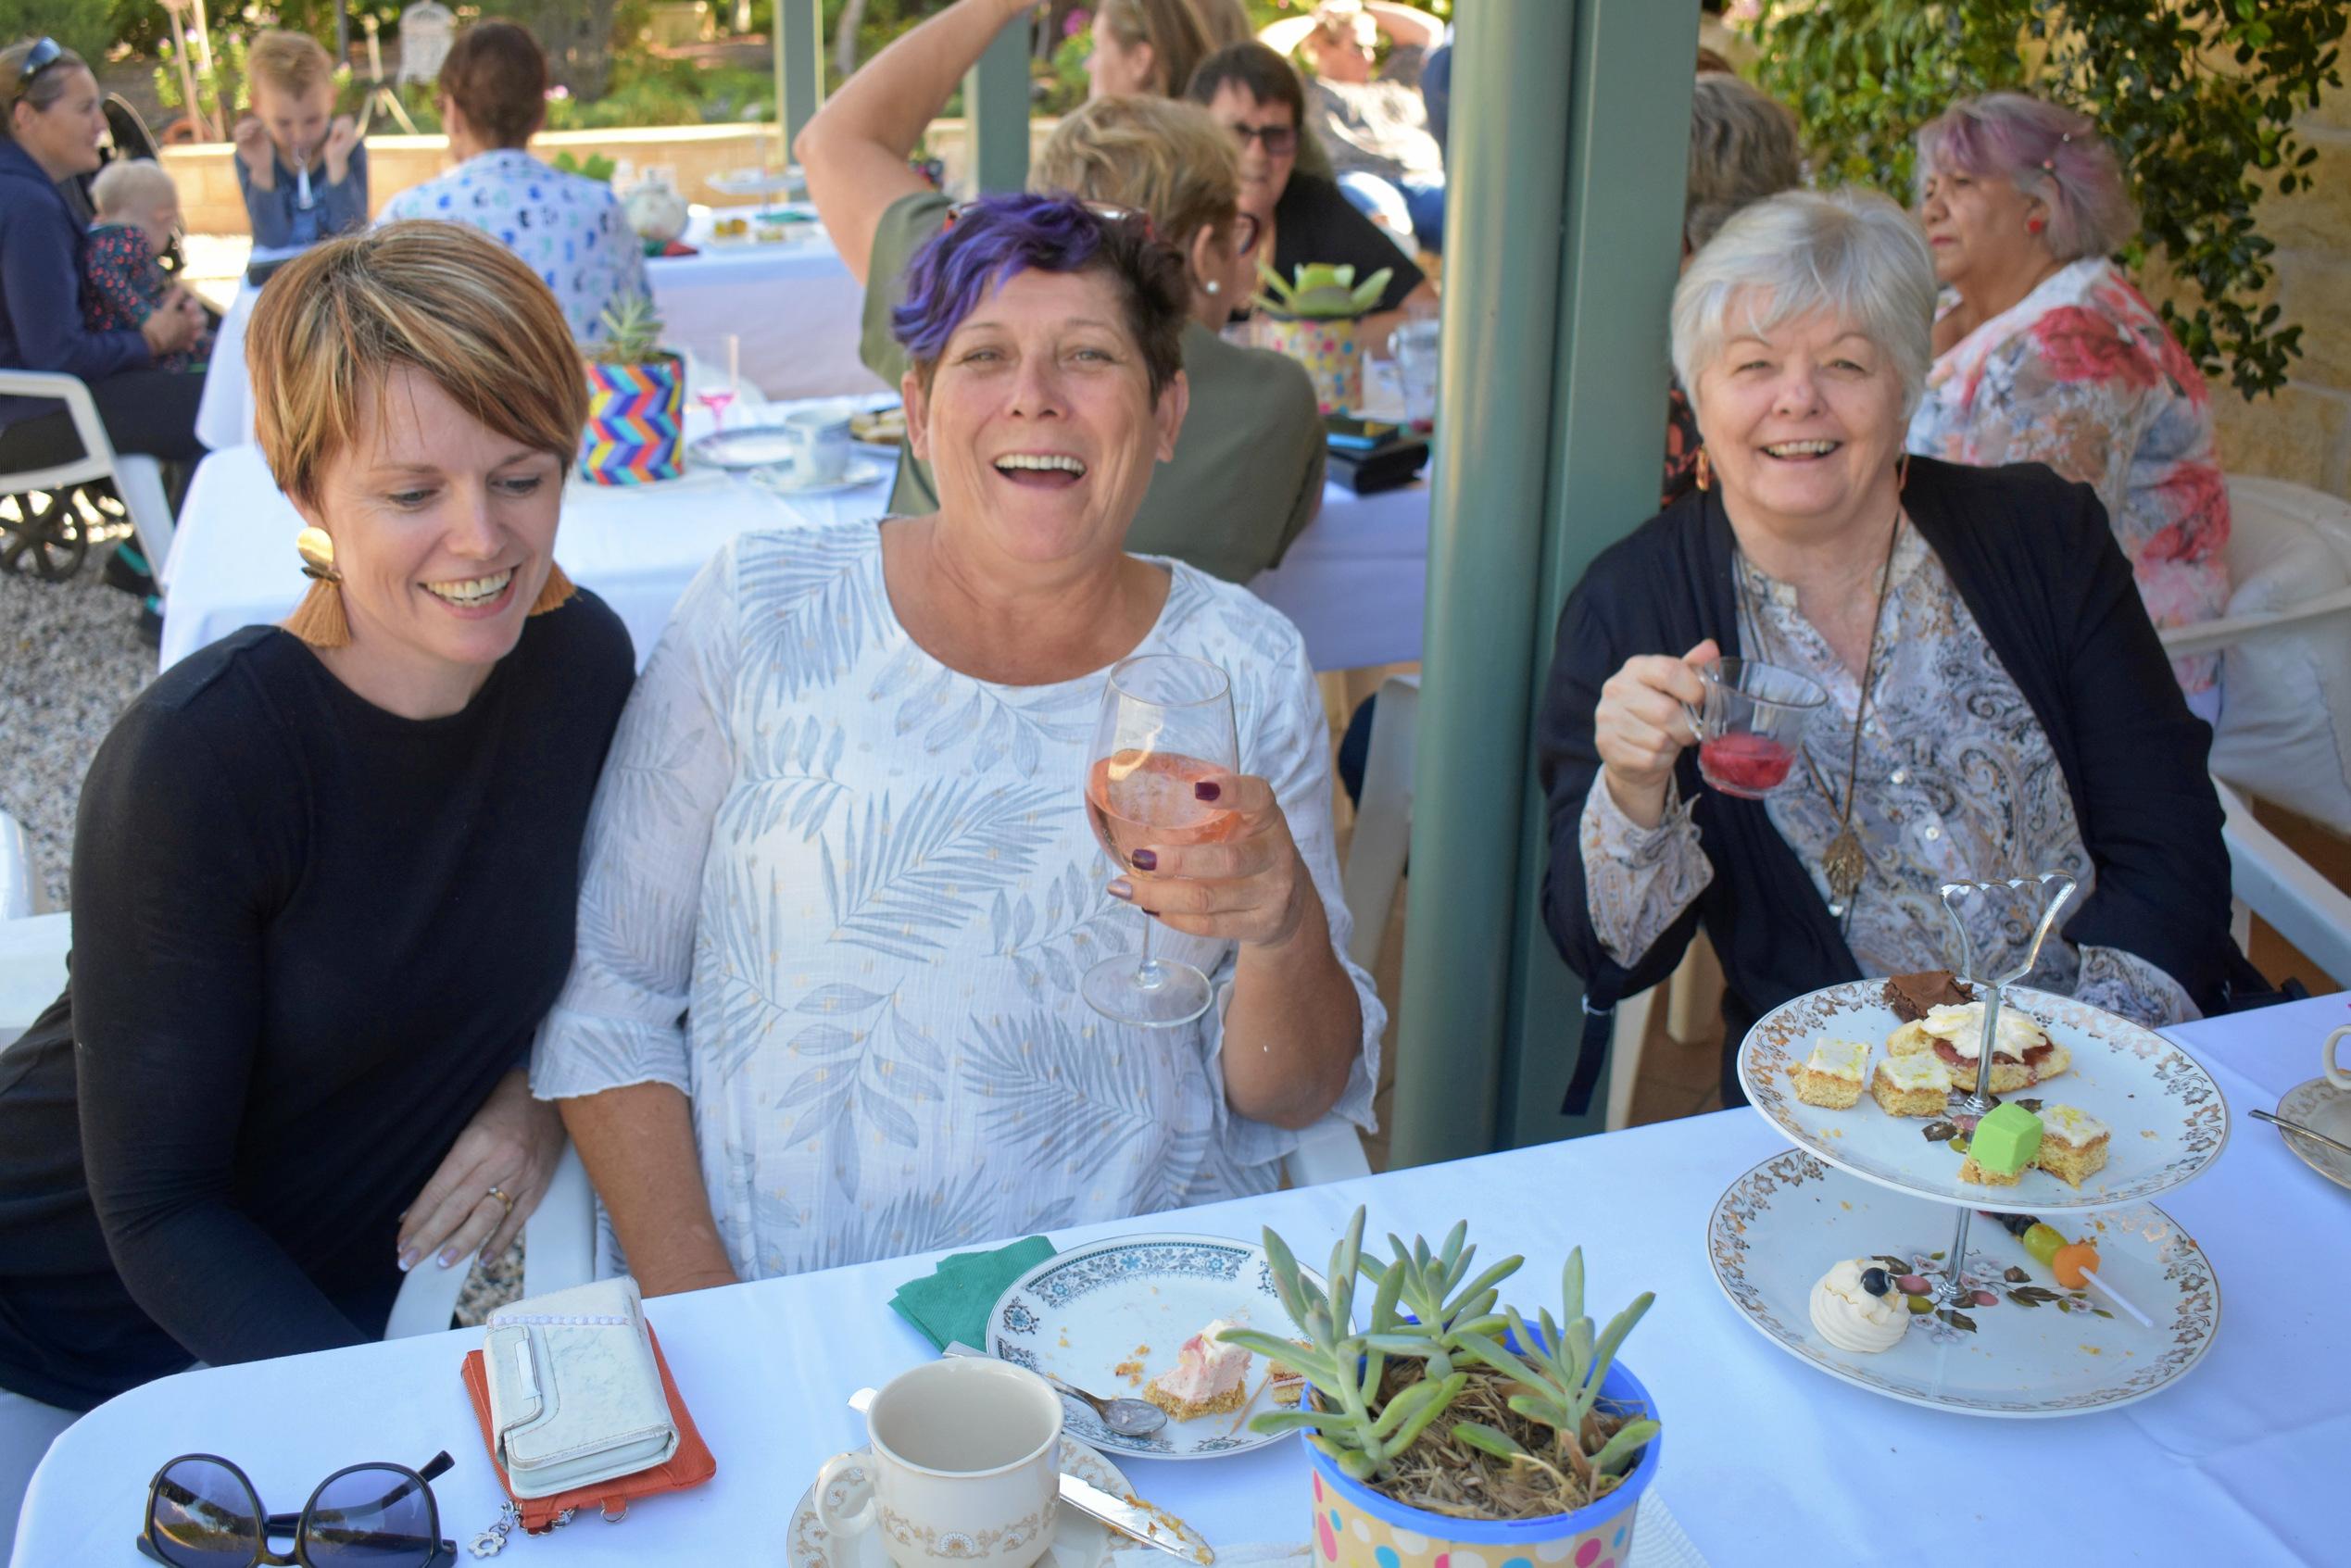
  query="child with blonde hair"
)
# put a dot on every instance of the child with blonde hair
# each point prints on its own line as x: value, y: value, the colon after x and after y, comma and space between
x: 302, y: 167
x: 122, y: 281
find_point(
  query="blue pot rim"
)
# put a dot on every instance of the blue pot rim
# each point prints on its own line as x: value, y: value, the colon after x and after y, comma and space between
x: 1620, y: 1386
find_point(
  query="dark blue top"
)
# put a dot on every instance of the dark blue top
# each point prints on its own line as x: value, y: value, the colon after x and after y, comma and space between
x: 40, y: 328
x: 278, y: 219
x: 2034, y: 558
x: 309, y: 936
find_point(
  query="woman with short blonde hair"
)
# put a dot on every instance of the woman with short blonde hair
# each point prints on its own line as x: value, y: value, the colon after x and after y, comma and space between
x: 1247, y: 474
x: 325, y: 883
x: 1152, y: 46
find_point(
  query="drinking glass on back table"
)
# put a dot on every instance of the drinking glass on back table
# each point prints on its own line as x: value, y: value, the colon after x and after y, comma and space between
x: 1167, y: 724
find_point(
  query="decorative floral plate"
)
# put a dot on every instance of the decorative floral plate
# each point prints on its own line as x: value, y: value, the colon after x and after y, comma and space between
x: 1110, y: 1317
x: 2323, y: 1108
x: 1078, y: 1542
x: 2169, y: 1120
x: 2037, y: 1349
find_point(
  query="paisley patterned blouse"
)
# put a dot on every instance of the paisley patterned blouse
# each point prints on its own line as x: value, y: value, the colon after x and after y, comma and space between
x: 2081, y: 374
x: 841, y: 896
x: 1957, y: 782
x: 567, y: 228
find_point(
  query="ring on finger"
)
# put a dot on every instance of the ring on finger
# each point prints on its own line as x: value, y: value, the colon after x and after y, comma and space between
x: 499, y: 1193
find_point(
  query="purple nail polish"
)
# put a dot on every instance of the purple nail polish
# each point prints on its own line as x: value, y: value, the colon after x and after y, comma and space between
x: 1154, y: 913
x: 1122, y: 888
x: 1145, y: 860
x: 1206, y: 790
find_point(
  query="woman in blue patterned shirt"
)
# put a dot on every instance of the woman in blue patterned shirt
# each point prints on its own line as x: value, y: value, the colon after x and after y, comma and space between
x: 567, y: 228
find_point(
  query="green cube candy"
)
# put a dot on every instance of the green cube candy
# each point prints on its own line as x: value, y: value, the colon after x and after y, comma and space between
x: 2007, y: 1141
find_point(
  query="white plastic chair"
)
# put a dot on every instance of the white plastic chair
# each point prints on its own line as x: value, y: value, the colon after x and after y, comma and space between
x: 559, y: 1252
x: 426, y: 32
x: 19, y: 891
x: 137, y: 479
x: 2269, y: 880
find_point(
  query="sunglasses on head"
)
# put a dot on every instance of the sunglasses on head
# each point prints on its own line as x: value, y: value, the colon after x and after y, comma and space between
x: 1105, y: 212
x: 203, y: 1512
x: 44, y: 54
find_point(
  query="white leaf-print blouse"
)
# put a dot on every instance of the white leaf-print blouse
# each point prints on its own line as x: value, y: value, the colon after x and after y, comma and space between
x: 841, y: 896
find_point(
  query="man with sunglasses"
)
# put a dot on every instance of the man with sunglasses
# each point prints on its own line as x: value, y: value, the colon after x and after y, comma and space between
x: 1252, y: 92
x: 52, y: 124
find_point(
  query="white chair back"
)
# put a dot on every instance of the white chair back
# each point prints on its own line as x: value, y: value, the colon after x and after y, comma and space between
x: 426, y: 32
x: 137, y: 479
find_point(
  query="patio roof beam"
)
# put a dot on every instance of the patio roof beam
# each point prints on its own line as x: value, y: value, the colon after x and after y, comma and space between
x: 800, y: 65
x: 996, y: 112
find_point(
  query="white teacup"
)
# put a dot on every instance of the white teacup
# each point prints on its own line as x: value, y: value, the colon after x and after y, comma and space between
x: 820, y: 444
x: 965, y: 1467
x: 2335, y: 1075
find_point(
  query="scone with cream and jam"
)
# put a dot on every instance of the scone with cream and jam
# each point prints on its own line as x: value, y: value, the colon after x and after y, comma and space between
x: 2023, y: 1056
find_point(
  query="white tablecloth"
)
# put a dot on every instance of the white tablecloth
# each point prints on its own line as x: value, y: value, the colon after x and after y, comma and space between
x: 794, y: 307
x: 1766, y: 1461
x: 1353, y: 581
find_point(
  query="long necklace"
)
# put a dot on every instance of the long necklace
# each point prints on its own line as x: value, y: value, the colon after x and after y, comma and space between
x: 1843, y: 864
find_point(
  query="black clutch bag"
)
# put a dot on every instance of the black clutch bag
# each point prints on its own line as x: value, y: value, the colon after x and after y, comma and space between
x: 1369, y: 469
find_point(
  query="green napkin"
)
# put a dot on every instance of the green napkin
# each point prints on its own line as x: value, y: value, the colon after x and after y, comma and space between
x: 953, y: 1304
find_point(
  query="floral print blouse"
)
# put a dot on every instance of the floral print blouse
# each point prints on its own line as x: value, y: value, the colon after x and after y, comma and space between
x: 121, y: 284
x: 567, y: 228
x: 2081, y: 374
x: 1957, y: 782
x: 841, y: 896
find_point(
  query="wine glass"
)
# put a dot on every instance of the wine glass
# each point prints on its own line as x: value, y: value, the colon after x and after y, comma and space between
x: 1752, y: 724
x: 1167, y: 724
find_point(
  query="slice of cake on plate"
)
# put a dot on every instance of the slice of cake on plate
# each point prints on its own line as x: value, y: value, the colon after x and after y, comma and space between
x: 1287, y: 1384
x: 1832, y: 1075
x: 1912, y: 996
x: 2023, y: 1056
x: 1911, y: 1086
x: 1209, y: 1377
x: 2073, y: 1143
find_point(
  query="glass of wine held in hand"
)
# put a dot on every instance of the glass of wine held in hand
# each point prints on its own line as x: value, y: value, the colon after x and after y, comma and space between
x: 1166, y: 728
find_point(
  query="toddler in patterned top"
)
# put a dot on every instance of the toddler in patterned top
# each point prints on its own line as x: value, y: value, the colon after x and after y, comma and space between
x: 123, y: 282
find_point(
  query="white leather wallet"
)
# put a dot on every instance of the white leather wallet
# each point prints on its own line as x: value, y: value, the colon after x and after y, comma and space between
x: 575, y: 1396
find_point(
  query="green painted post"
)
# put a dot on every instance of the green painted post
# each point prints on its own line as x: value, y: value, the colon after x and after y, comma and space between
x: 800, y: 64
x: 1565, y: 172
x: 996, y: 110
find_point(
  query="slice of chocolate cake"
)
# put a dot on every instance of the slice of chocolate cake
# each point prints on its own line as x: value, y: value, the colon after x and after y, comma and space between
x: 1913, y: 995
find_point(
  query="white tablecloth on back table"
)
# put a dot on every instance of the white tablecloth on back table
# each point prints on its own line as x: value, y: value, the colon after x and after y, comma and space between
x: 1352, y: 581
x: 794, y: 307
x: 1765, y: 1460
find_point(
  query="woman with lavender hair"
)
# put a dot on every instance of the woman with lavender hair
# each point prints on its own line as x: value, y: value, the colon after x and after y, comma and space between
x: 2045, y: 353
x: 840, y: 883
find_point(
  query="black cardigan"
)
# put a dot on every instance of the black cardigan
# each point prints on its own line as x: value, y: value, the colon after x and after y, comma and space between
x: 2032, y: 557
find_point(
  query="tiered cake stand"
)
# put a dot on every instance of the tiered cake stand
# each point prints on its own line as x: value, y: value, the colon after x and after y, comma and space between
x: 2001, y: 1334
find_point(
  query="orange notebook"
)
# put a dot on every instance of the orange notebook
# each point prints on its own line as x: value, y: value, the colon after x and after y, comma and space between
x: 690, y: 1466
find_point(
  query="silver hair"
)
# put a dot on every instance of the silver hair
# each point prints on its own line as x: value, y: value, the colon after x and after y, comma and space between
x: 1742, y: 148
x: 131, y: 182
x: 1850, y: 253
x: 2045, y: 150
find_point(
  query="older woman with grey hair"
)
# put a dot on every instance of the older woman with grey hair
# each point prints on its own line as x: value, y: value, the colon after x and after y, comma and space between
x: 2045, y: 353
x: 1997, y: 702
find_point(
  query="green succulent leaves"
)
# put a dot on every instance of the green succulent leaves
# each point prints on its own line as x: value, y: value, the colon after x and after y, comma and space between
x: 1318, y: 292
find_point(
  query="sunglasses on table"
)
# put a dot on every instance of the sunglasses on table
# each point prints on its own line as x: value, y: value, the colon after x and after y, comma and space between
x: 203, y: 1512
x: 40, y: 58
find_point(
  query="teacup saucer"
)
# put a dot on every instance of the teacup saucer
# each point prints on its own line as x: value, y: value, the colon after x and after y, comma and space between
x: 2323, y: 1108
x: 1078, y: 1542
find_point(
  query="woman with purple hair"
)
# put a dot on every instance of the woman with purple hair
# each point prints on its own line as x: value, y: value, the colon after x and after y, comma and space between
x: 840, y: 884
x: 2045, y: 353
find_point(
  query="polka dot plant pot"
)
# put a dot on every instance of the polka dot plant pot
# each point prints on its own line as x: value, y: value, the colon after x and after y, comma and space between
x: 1328, y: 350
x: 1357, y: 1528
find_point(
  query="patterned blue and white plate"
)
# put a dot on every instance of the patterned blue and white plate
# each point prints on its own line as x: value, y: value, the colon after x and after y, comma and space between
x: 1109, y: 1317
x: 2037, y: 1349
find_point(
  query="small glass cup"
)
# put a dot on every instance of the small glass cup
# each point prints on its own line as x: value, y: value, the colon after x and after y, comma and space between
x: 1752, y: 724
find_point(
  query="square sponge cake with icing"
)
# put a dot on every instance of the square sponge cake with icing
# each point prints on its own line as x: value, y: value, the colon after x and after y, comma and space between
x: 1832, y: 1076
x: 2073, y: 1143
x: 1911, y: 1086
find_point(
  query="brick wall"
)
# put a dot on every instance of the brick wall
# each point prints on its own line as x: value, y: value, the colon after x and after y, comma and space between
x: 2304, y: 431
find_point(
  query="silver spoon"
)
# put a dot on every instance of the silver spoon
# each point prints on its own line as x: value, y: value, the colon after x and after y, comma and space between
x: 1128, y: 1418
x: 2300, y: 1131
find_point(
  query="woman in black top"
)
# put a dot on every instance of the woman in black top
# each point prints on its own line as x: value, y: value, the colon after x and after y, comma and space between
x: 1253, y: 93
x: 1997, y: 702
x: 324, y: 875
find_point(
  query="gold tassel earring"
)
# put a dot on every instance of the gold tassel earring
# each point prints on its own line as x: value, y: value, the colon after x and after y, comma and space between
x: 319, y: 618
x: 555, y: 592
x: 1705, y: 476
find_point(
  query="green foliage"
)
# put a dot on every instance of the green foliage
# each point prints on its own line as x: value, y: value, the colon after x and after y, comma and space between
x: 1319, y: 292
x: 1428, y: 1308
x: 83, y: 26
x: 632, y: 331
x: 597, y: 166
x: 2198, y: 97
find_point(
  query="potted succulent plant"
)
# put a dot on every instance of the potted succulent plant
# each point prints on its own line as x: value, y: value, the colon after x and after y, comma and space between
x: 636, y: 394
x: 1446, y: 1432
x: 1312, y: 318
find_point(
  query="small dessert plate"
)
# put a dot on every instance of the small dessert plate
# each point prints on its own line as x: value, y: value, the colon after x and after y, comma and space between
x: 2167, y: 1120
x: 2038, y: 1350
x: 1078, y: 1541
x: 788, y: 481
x: 1109, y: 1317
x: 2323, y: 1108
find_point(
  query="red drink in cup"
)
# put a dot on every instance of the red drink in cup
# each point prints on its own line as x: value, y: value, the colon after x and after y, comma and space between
x: 1752, y: 725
